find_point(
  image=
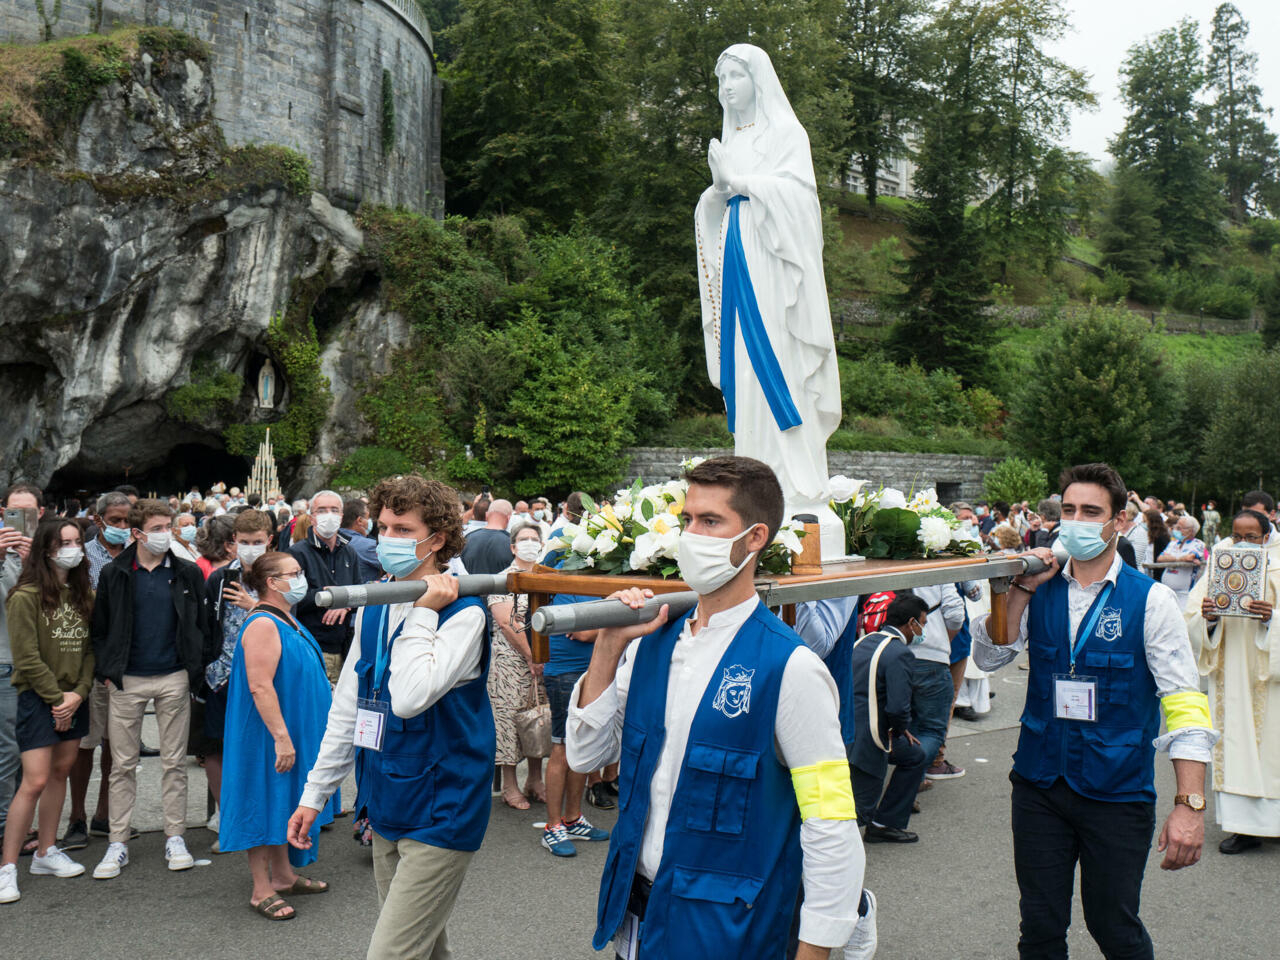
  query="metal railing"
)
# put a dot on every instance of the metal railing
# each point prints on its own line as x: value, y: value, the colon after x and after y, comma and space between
x: 411, y: 13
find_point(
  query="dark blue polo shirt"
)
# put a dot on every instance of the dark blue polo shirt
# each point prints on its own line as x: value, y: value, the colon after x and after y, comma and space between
x: 154, y: 650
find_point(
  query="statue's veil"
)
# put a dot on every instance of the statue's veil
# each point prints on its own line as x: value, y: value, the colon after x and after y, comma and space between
x: 775, y: 120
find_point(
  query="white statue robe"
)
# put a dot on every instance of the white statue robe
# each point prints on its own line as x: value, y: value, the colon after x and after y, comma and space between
x: 1241, y: 660
x: 781, y: 228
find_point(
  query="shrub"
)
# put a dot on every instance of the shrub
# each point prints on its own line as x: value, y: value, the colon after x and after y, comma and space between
x: 211, y: 393
x: 1264, y: 235
x: 1015, y: 479
x: 365, y: 466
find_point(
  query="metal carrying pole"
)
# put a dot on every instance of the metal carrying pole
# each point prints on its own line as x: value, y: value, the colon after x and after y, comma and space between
x: 596, y: 614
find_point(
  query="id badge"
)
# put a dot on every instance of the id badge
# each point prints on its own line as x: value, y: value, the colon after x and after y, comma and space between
x: 626, y: 942
x: 371, y: 723
x: 1075, y: 698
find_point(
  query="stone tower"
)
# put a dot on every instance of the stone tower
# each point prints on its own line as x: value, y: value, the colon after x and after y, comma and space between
x: 350, y: 84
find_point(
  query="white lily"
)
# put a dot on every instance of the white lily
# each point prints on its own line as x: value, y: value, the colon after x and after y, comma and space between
x: 843, y: 489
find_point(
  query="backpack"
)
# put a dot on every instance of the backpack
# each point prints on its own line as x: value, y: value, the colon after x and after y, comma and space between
x: 873, y: 611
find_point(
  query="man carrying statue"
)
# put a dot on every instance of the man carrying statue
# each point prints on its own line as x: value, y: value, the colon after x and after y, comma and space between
x: 734, y: 782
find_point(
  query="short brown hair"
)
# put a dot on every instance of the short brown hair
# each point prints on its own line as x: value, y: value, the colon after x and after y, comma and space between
x: 432, y: 500
x: 754, y: 491
x: 266, y: 566
x: 253, y: 521
x: 144, y: 510
x: 1101, y: 474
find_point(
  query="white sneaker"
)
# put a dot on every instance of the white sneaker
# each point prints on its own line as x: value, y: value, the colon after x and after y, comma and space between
x: 214, y: 821
x: 862, y: 945
x: 117, y: 856
x: 55, y: 863
x: 175, y: 851
x: 9, y: 883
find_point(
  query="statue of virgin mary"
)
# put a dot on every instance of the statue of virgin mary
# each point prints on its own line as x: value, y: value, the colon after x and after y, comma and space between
x: 765, y: 315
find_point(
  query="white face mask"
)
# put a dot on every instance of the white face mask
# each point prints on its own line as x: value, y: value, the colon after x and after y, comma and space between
x: 158, y: 542
x: 327, y: 524
x: 529, y: 550
x: 704, y: 561
x: 249, y: 553
x: 68, y: 558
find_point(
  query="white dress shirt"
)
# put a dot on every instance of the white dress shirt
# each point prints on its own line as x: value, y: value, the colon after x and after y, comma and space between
x: 1168, y: 649
x: 427, y: 661
x: 806, y: 732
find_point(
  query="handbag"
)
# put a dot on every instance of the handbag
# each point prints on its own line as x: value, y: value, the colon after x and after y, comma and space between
x: 533, y: 724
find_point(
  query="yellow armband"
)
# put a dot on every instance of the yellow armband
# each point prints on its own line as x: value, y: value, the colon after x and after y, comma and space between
x: 1187, y: 709
x: 824, y: 790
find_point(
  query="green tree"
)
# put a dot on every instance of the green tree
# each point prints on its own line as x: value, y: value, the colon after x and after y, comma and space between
x: 943, y: 321
x: 1098, y: 389
x: 525, y: 106
x: 1014, y: 479
x: 1165, y: 139
x: 1032, y: 99
x: 1130, y: 234
x: 1238, y: 449
x: 881, y: 74
x: 1244, y: 150
x: 441, y: 15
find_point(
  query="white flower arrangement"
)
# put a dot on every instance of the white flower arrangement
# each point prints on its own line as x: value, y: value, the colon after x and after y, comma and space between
x: 886, y: 523
x: 639, y: 532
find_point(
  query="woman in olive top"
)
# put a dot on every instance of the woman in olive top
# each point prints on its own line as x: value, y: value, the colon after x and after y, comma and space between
x: 48, y: 616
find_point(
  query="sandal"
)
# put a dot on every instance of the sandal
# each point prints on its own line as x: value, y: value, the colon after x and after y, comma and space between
x: 271, y: 907
x: 304, y: 885
x: 514, y: 799
x: 30, y: 845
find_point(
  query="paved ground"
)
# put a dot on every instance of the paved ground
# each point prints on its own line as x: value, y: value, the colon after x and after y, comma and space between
x: 950, y: 897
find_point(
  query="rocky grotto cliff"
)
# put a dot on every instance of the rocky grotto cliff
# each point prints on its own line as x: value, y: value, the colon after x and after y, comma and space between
x: 147, y: 272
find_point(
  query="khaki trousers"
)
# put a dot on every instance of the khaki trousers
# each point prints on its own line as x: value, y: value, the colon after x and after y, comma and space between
x: 332, y: 667
x: 172, y: 695
x: 417, y: 885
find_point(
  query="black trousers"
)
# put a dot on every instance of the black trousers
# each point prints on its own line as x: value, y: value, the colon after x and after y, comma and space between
x: 1055, y: 828
x: 893, y: 809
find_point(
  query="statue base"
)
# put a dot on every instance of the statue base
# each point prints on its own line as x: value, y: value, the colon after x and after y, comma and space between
x: 832, y: 537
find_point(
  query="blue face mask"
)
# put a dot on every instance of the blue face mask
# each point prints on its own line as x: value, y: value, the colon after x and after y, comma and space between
x: 297, y: 589
x: 399, y: 555
x: 1082, y: 539
x: 116, y: 536
x: 189, y: 534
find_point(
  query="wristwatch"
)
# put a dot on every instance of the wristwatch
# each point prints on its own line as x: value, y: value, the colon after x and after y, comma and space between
x: 1193, y: 800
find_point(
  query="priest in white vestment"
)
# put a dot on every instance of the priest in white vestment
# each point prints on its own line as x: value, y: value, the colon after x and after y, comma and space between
x: 1240, y: 657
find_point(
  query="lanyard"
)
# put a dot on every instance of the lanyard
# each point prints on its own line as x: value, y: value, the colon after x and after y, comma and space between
x: 1086, y: 630
x: 384, y: 651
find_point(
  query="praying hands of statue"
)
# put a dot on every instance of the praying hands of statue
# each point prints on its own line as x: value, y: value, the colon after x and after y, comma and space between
x: 719, y: 170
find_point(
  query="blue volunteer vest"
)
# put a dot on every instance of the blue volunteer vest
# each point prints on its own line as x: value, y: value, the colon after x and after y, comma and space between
x: 840, y: 663
x: 1112, y: 759
x: 730, y: 872
x: 431, y: 780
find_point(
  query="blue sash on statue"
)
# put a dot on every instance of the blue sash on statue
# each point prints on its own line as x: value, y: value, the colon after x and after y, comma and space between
x: 738, y: 301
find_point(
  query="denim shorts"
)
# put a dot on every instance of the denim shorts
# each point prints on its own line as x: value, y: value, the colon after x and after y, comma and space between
x: 559, y: 690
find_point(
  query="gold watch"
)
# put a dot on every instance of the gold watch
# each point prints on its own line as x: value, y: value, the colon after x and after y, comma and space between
x: 1193, y: 800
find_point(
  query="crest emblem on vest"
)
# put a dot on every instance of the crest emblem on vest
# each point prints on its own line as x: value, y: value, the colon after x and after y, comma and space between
x: 734, y: 696
x: 1109, y: 625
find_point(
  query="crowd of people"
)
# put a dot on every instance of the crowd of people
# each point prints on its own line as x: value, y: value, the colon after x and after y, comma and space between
x: 205, y: 607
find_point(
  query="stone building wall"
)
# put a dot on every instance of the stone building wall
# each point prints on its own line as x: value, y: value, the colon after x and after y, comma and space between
x: 956, y: 477
x: 307, y: 74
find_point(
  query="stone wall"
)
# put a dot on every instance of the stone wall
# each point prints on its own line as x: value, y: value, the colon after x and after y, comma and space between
x: 955, y: 476
x: 307, y: 74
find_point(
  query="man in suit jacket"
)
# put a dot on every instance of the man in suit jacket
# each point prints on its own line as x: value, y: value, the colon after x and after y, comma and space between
x: 886, y: 818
